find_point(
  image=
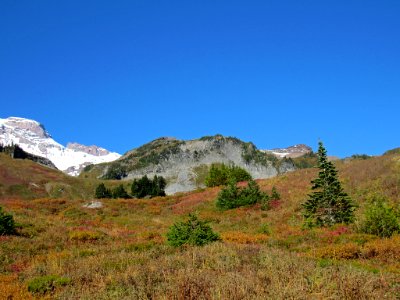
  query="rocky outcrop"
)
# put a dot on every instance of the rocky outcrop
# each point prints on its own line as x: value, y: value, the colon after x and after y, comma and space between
x: 185, y: 163
x: 92, y: 150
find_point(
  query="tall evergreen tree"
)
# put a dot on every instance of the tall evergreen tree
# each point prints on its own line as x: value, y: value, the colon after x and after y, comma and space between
x: 328, y: 204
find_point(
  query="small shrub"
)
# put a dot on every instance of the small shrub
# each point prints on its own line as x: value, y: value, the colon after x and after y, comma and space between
x: 380, y: 219
x: 340, y: 251
x: 274, y: 194
x: 192, y: 232
x: 386, y: 249
x: 265, y: 228
x: 7, y: 224
x: 46, y: 284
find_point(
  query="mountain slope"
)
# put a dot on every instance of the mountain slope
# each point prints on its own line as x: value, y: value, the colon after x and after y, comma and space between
x: 32, y: 137
x: 184, y: 163
x: 119, y: 250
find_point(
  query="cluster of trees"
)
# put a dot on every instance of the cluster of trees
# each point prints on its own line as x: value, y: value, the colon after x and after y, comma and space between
x: 118, y: 192
x: 140, y: 188
x: 220, y: 174
x: 14, y: 151
x: 145, y: 187
x: 233, y: 196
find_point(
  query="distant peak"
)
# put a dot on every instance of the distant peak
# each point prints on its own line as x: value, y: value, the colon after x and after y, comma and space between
x: 292, y: 151
x: 26, y: 125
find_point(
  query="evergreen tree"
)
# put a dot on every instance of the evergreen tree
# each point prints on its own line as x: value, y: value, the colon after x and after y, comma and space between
x: 119, y: 192
x: 328, y: 204
x: 159, y: 184
x: 102, y: 192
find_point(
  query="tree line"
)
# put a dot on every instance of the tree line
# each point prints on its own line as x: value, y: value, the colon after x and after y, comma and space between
x: 140, y: 188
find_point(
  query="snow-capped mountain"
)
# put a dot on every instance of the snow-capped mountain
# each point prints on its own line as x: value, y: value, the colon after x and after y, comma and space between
x: 32, y: 137
x: 292, y: 151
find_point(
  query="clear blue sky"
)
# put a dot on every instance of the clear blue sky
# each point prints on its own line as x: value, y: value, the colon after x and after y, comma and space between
x: 121, y: 73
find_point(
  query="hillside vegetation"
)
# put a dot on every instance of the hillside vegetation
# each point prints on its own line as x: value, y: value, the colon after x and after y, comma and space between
x: 64, y: 250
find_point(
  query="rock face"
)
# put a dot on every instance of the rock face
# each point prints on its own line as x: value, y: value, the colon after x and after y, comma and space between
x: 292, y: 151
x: 33, y: 138
x: 92, y: 150
x: 185, y: 163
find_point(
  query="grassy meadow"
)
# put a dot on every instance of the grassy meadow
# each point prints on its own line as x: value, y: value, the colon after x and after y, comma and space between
x: 64, y: 250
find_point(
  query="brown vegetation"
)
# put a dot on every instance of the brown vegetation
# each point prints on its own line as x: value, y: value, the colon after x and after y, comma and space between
x: 119, y: 251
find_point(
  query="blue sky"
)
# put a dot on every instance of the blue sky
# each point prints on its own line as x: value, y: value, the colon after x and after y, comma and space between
x: 121, y: 73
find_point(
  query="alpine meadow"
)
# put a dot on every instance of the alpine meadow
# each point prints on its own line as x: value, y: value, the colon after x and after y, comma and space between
x: 199, y: 150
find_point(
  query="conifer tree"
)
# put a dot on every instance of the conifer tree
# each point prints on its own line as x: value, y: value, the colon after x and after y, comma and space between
x: 102, y: 192
x: 119, y: 192
x: 328, y: 204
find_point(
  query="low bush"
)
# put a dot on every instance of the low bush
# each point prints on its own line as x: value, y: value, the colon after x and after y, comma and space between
x: 46, y: 284
x: 192, y: 232
x: 380, y: 219
x: 7, y: 224
x: 244, y: 238
x: 340, y: 251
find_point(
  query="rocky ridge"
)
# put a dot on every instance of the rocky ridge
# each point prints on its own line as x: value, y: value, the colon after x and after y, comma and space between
x: 185, y: 163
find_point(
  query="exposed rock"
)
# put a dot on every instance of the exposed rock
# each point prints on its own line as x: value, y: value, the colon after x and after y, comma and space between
x: 92, y: 150
x: 93, y: 204
x: 183, y: 163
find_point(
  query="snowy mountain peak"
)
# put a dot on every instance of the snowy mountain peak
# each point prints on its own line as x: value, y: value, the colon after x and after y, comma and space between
x: 32, y: 127
x: 32, y: 137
